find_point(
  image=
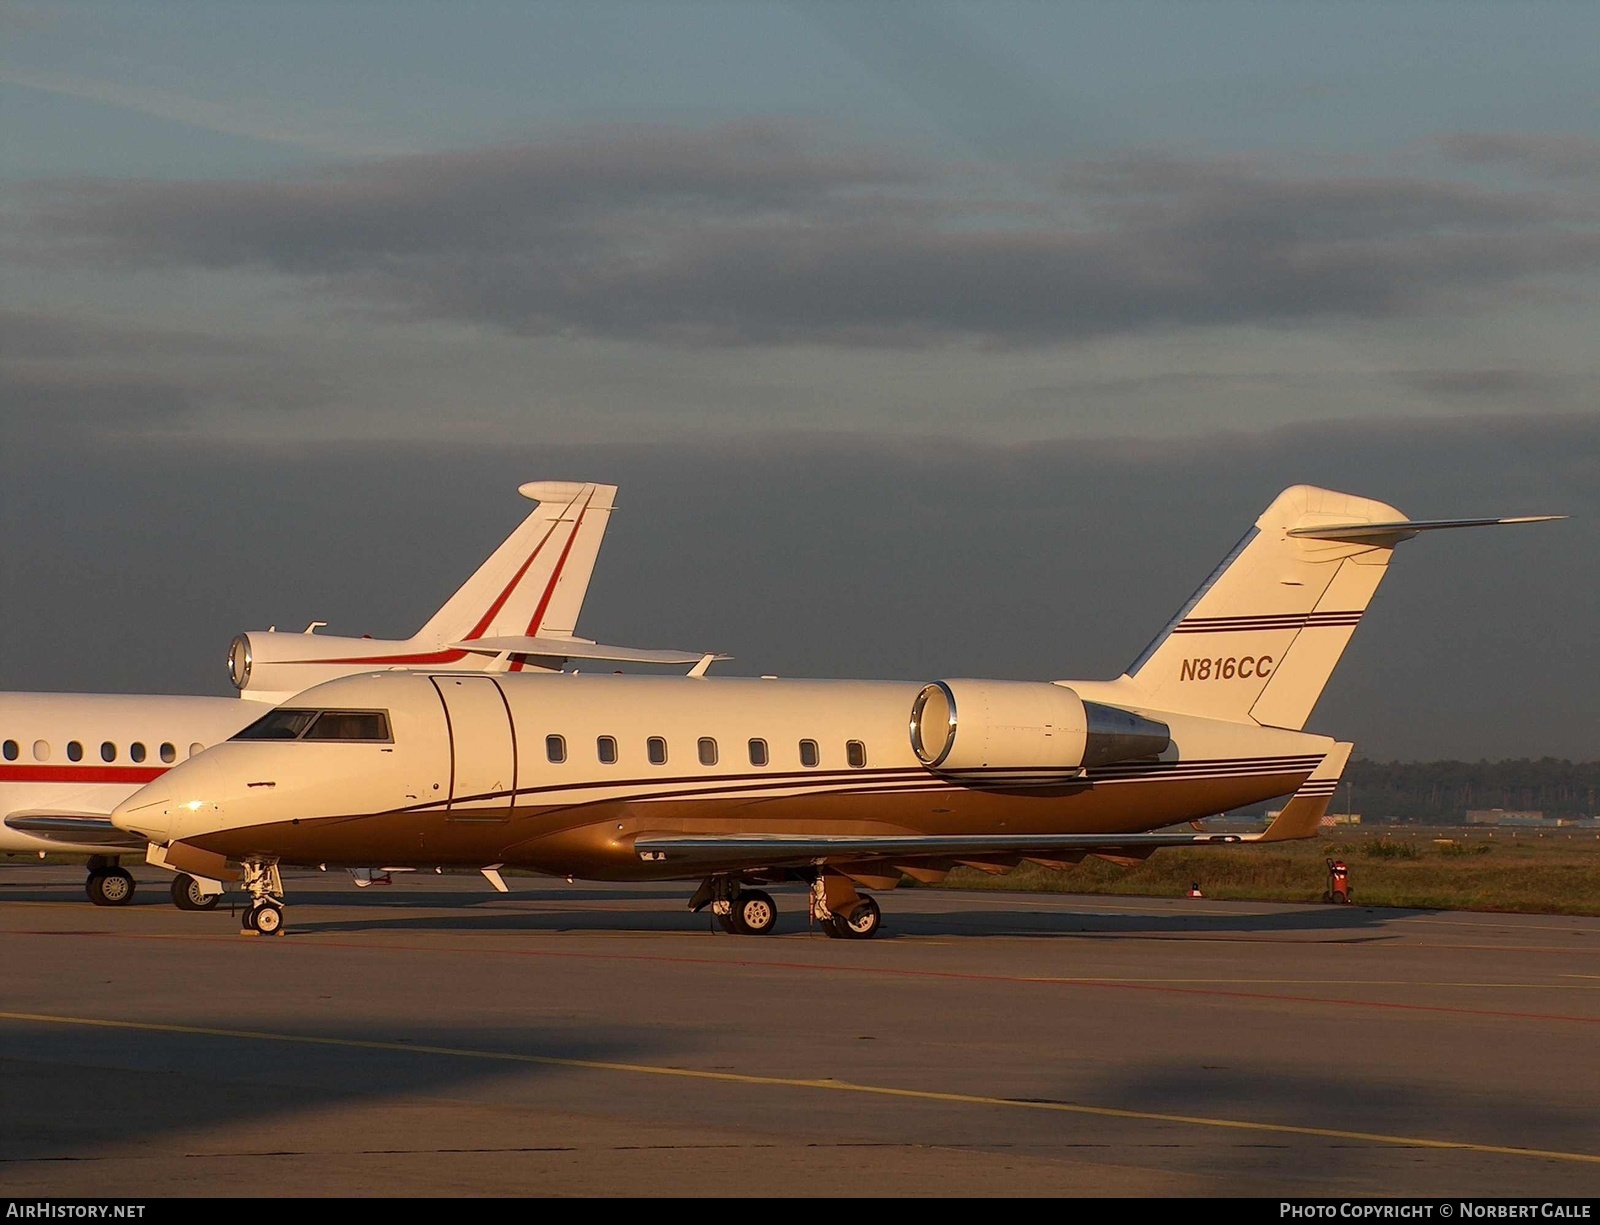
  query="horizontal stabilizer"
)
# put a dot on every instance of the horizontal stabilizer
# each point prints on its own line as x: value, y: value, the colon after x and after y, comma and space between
x: 85, y: 829
x: 1405, y: 529
x: 577, y: 648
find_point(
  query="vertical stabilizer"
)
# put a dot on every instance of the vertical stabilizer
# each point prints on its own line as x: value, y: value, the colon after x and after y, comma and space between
x: 534, y: 583
x: 1259, y: 639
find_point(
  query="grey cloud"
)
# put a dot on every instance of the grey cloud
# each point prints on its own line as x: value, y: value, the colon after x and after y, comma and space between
x: 67, y: 373
x: 1562, y: 155
x: 767, y: 235
x: 1509, y: 386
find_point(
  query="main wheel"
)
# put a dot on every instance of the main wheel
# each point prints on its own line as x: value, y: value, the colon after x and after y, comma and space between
x: 113, y: 887
x: 862, y: 923
x: 266, y: 918
x: 730, y: 923
x: 186, y: 894
x: 755, y: 913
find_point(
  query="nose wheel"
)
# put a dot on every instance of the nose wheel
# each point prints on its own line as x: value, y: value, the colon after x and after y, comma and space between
x: 264, y: 916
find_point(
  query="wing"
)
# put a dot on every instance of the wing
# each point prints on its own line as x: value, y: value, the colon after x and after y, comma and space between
x: 1300, y: 818
x: 76, y: 828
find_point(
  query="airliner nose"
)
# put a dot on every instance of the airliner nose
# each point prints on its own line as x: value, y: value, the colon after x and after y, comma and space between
x: 157, y: 810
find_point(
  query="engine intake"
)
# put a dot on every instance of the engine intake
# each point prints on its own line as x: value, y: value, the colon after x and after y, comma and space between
x: 1024, y: 731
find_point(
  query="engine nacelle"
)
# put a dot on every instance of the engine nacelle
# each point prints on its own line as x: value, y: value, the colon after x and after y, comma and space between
x: 1024, y: 731
x: 271, y: 666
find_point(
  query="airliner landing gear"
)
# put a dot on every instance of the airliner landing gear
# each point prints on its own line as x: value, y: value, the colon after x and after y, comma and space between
x: 108, y: 884
x: 843, y: 913
x: 188, y: 895
x: 264, y: 916
x: 741, y: 911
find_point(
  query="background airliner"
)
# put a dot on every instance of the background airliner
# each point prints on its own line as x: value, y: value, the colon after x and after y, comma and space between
x: 840, y: 784
x: 66, y: 760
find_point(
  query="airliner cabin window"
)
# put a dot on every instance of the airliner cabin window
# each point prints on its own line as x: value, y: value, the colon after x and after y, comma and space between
x: 41, y: 750
x: 555, y: 748
x: 136, y: 750
x: 758, y: 752
x: 656, y: 750
x: 169, y: 754
x: 196, y: 747
x: 808, y: 753
x: 74, y: 751
x: 108, y: 751
x: 855, y: 753
x: 708, y: 751
x: 606, y: 748
x: 343, y: 725
x: 10, y: 750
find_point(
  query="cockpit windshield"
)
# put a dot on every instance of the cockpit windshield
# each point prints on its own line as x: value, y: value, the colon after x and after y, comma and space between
x: 286, y: 724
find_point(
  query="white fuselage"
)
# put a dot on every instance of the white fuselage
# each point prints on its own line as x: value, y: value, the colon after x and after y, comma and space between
x: 562, y: 772
x: 84, y: 753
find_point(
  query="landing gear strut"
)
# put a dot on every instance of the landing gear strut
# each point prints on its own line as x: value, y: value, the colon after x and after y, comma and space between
x: 264, y: 916
x: 843, y: 913
x: 108, y: 884
x: 741, y: 911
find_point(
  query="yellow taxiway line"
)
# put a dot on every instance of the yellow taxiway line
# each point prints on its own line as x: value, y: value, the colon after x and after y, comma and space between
x: 791, y: 1082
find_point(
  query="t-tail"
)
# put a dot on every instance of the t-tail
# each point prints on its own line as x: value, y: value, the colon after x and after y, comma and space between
x: 518, y: 610
x: 1260, y: 638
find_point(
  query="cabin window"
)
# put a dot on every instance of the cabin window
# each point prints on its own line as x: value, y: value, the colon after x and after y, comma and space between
x: 10, y: 750
x: 136, y: 750
x: 606, y: 748
x: 74, y: 751
x: 808, y: 753
x: 280, y: 724
x: 41, y: 750
x: 341, y: 725
x: 196, y: 747
x: 170, y: 754
x: 855, y: 752
x: 108, y: 751
x: 555, y: 748
x: 708, y: 751
x: 758, y: 752
x: 656, y: 750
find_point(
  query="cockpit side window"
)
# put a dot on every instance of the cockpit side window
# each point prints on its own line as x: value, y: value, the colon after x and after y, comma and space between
x: 350, y: 725
x: 280, y: 724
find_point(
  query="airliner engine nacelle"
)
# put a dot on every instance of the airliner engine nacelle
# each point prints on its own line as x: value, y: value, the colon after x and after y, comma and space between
x: 1024, y: 731
x: 270, y: 666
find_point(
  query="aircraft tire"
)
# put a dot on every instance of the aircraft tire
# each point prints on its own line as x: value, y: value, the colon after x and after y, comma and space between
x: 267, y: 918
x: 113, y: 887
x: 186, y: 894
x: 862, y: 924
x: 755, y: 913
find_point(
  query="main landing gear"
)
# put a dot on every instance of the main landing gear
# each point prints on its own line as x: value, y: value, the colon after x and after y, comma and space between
x: 108, y: 884
x: 843, y: 913
x: 264, y: 916
x: 741, y: 911
x: 834, y: 903
x: 187, y: 894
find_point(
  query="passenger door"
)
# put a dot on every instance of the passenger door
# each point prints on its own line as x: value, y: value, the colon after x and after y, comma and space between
x: 483, y: 753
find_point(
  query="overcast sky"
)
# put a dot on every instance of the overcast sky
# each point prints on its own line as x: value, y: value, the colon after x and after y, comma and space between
x: 924, y: 339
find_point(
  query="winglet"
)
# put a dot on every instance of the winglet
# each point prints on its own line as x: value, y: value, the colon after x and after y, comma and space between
x: 1302, y: 815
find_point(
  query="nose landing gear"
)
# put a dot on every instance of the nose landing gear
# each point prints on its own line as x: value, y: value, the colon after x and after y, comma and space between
x: 264, y: 916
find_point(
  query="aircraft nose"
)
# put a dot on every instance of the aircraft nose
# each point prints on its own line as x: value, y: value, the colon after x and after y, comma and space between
x: 157, y: 810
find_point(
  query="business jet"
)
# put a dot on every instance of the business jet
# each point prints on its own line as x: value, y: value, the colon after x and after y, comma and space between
x: 66, y: 760
x: 843, y: 785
